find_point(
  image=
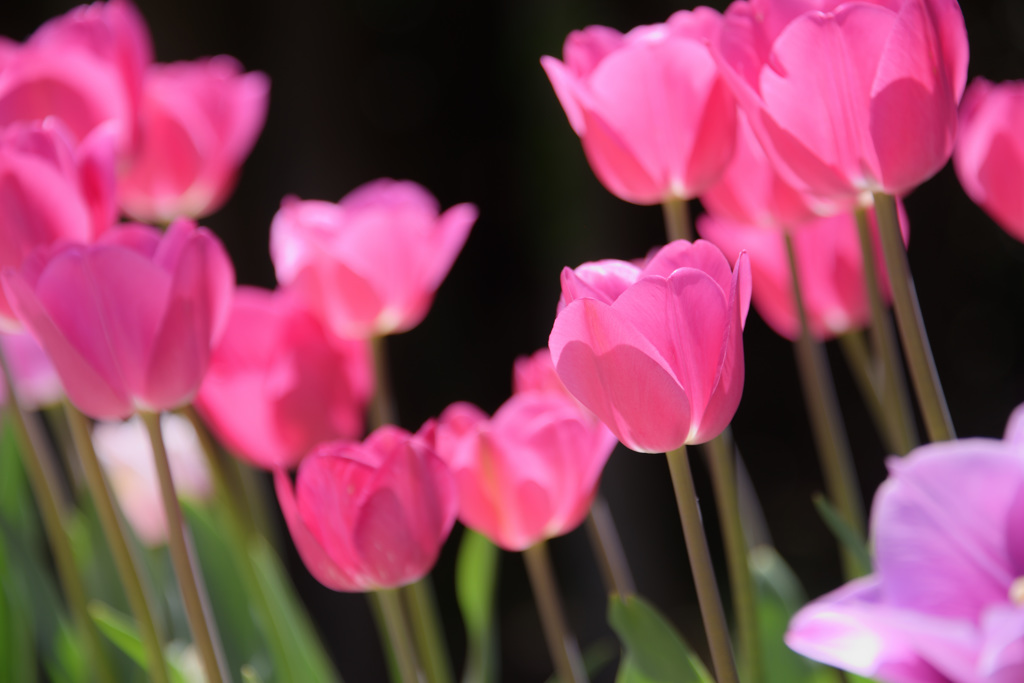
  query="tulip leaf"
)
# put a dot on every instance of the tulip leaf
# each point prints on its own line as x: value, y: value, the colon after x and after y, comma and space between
x: 17, y: 646
x: 655, y: 652
x: 121, y: 631
x: 17, y: 509
x: 596, y: 657
x: 476, y: 572
x: 68, y: 663
x: 844, y: 533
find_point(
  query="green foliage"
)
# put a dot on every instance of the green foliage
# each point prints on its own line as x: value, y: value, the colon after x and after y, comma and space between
x: 476, y: 572
x: 655, y: 652
x: 121, y: 631
x: 845, y: 534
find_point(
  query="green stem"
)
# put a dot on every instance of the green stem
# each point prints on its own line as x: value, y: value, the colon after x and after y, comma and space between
x: 722, y: 459
x: 398, y: 634
x: 898, y: 415
x: 677, y: 219
x: 923, y: 374
x: 198, y: 613
x: 565, y: 653
x: 866, y: 376
x: 382, y: 409
x: 611, y: 557
x: 125, y: 560
x: 826, y: 421
x: 700, y: 564
x: 427, y: 630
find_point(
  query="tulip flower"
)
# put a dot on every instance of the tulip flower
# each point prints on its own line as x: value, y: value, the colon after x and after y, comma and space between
x: 51, y: 191
x: 84, y: 66
x: 278, y: 384
x: 656, y: 352
x: 125, y: 451
x: 198, y: 121
x: 35, y: 377
x: 945, y: 600
x: 370, y: 264
x: 371, y: 515
x: 848, y: 97
x: 536, y: 373
x: 128, y: 322
x: 655, y: 119
x: 989, y: 157
x: 830, y: 264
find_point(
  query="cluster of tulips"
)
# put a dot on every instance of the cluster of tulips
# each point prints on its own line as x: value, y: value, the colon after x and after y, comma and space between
x: 798, y: 124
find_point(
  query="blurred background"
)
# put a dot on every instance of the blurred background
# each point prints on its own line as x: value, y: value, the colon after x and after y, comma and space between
x: 450, y: 93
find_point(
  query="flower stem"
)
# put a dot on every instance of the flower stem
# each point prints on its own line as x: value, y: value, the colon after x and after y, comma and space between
x: 826, y: 422
x: 866, y: 376
x: 382, y: 408
x: 125, y: 560
x: 923, y: 374
x: 722, y: 459
x: 677, y: 219
x: 565, y: 653
x: 398, y: 634
x: 898, y: 415
x: 700, y: 564
x: 611, y: 557
x: 427, y: 630
x: 196, y: 608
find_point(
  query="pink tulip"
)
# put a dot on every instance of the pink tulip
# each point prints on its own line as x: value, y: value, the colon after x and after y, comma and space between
x: 655, y: 119
x: 34, y: 375
x: 85, y: 66
x: 848, y: 96
x: 130, y: 321
x: 278, y: 384
x: 125, y: 452
x: 656, y: 352
x: 198, y: 121
x: 370, y: 264
x: 51, y: 192
x: 946, y: 601
x: 989, y: 156
x: 829, y: 262
x: 536, y: 373
x: 372, y: 515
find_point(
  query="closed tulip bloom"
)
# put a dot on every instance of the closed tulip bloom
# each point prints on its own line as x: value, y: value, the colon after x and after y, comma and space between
x: 946, y: 600
x: 370, y: 264
x: 84, y: 66
x: 126, y: 454
x: 128, y: 322
x: 278, y: 384
x: 848, y: 96
x: 656, y: 352
x: 35, y: 377
x: 537, y: 373
x: 989, y: 157
x: 829, y: 262
x: 198, y: 121
x: 372, y: 515
x: 51, y: 191
x: 655, y: 119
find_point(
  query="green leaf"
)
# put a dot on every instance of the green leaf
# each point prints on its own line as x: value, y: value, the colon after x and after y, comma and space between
x: 68, y: 663
x: 654, y: 649
x: 476, y: 572
x: 596, y: 657
x: 121, y: 631
x: 250, y: 675
x: 17, y: 646
x: 844, y: 533
x: 17, y: 508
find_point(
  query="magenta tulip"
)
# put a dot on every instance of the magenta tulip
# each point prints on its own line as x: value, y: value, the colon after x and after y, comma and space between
x: 655, y: 119
x: 198, y: 121
x: 946, y: 601
x: 128, y: 322
x: 35, y: 377
x: 51, y: 192
x: 370, y: 264
x: 372, y: 515
x: 85, y: 66
x: 989, y: 157
x: 848, y: 96
x: 656, y: 352
x: 830, y: 264
x: 278, y: 384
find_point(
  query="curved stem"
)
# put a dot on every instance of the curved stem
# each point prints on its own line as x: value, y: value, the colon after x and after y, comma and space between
x: 923, y: 374
x: 125, y: 561
x: 427, y: 630
x: 611, y: 557
x: 565, y: 653
x: 398, y: 634
x: 677, y: 219
x: 196, y: 607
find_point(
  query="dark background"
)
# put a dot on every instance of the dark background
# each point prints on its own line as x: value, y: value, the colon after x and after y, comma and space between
x: 450, y: 93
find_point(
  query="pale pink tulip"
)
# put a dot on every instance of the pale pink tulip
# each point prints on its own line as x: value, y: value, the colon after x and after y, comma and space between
x: 278, y: 384
x: 537, y: 373
x: 51, y: 191
x: 85, y: 66
x: 369, y: 265
x: 989, y: 156
x: 35, y: 377
x: 372, y: 515
x: 848, y: 96
x: 656, y: 352
x: 198, y: 121
x: 829, y: 262
x: 655, y: 119
x: 128, y: 322
x: 126, y: 454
